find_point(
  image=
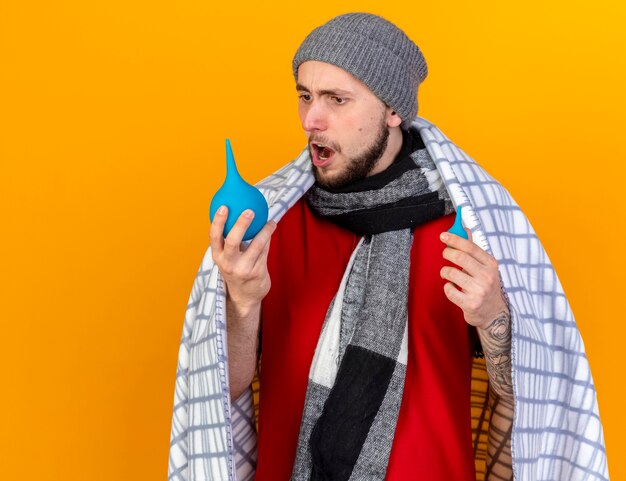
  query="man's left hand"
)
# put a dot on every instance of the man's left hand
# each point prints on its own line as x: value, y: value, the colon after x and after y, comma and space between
x: 479, y: 296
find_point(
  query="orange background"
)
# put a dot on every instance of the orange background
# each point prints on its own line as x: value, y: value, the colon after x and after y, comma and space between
x: 112, y: 124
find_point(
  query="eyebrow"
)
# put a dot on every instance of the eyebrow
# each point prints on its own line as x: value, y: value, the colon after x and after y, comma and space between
x: 302, y: 88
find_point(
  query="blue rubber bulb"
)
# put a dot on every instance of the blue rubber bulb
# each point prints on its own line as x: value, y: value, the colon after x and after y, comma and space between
x: 238, y: 195
x: 457, y: 227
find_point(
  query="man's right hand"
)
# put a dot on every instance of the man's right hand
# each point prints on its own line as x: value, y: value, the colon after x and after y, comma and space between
x: 244, y: 269
x: 247, y: 282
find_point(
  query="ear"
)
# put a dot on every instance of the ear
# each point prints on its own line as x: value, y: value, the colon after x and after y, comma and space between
x: 393, y: 119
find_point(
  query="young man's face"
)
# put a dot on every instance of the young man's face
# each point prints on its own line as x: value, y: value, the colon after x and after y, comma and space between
x: 347, y: 126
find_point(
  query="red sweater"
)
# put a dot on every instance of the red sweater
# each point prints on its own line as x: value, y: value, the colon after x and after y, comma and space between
x: 307, y: 259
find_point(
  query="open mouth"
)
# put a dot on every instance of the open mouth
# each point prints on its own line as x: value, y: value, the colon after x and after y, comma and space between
x: 322, y: 154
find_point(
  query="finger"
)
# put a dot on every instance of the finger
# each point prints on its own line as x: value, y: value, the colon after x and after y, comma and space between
x: 461, y: 279
x: 463, y: 260
x: 216, y: 232
x: 465, y: 245
x: 259, y: 244
x: 261, y: 263
x: 454, y: 294
x: 232, y: 243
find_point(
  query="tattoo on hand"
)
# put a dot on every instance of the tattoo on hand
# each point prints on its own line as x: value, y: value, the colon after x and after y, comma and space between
x: 496, y: 342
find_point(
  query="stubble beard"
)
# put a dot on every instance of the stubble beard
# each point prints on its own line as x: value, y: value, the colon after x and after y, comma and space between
x: 357, y: 168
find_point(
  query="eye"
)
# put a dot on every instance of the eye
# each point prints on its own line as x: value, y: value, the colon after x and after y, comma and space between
x: 305, y: 97
x: 339, y: 100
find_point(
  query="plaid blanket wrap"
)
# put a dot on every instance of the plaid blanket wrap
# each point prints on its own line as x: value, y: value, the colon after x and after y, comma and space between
x: 557, y: 432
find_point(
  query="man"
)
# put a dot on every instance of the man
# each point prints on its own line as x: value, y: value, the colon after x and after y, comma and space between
x: 364, y: 309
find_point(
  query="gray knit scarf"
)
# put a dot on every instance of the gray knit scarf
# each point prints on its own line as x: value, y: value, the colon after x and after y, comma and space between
x: 357, y: 375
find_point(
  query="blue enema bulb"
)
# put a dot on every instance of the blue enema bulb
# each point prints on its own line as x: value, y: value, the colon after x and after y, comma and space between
x: 238, y: 195
x: 457, y: 227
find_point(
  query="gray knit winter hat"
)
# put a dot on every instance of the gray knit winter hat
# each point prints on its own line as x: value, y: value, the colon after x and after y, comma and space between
x: 376, y: 52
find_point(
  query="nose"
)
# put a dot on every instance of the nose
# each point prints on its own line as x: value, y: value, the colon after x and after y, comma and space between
x: 313, y: 117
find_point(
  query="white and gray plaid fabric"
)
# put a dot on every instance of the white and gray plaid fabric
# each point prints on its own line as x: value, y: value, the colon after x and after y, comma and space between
x: 557, y: 433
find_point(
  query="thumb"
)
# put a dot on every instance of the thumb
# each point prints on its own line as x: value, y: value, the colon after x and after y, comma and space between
x: 469, y: 233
